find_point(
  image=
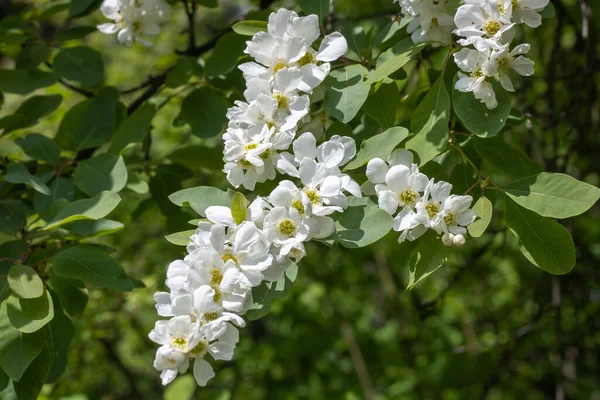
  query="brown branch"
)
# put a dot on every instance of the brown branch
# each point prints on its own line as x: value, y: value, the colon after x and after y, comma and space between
x: 358, y: 361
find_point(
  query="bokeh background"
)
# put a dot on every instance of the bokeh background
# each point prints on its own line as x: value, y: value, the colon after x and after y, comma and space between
x: 488, y: 325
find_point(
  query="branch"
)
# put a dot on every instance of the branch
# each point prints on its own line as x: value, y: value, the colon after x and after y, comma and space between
x: 358, y: 361
x: 157, y: 82
x: 191, y: 13
x: 81, y: 91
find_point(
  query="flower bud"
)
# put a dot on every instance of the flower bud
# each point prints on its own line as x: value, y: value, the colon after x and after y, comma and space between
x: 448, y: 239
x: 458, y: 240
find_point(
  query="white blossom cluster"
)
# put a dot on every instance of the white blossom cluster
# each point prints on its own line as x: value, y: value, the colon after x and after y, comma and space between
x: 286, y: 71
x: 421, y: 202
x: 212, y: 286
x: 486, y: 30
x: 133, y: 20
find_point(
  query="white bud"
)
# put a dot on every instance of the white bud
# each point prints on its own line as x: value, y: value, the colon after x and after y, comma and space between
x: 448, y: 239
x: 458, y: 240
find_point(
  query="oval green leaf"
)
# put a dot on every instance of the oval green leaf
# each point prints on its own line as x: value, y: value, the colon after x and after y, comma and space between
x: 249, y: 28
x: 30, y: 315
x: 103, y: 172
x: 378, y: 146
x: 361, y: 226
x: 95, y: 208
x: 24, y: 282
x: 483, y: 209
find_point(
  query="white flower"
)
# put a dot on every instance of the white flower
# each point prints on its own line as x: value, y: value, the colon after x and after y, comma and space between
x: 134, y: 19
x: 456, y: 214
x: 432, y: 24
x: 524, y: 11
x: 481, y: 18
x: 431, y: 205
x: 287, y: 44
x: 501, y: 61
x: 410, y: 7
x: 475, y: 63
x: 286, y: 229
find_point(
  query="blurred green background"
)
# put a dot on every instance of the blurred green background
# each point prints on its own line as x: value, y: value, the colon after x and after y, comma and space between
x: 488, y: 325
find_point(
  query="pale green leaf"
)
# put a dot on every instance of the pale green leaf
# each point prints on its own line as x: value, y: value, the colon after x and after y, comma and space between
x: 429, y: 256
x: 360, y: 226
x: 201, y: 197
x: 24, y: 282
x: 553, y: 195
x: 99, y: 173
x: 346, y: 92
x: 398, y: 55
x: 30, y: 315
x: 378, y: 146
x: 95, y: 208
x: 180, y: 238
x: 484, y: 209
x: 40, y: 147
x: 239, y: 208
x: 17, y: 173
x: 249, y: 28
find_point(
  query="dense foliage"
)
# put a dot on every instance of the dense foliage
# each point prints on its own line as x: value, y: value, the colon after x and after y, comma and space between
x: 109, y: 144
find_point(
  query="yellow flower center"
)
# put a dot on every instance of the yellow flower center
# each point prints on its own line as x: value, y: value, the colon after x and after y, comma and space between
x: 477, y: 73
x: 245, y: 163
x: 450, y: 219
x: 211, y: 316
x: 308, y: 58
x: 250, y: 146
x: 216, y: 276
x: 432, y: 209
x: 501, y: 8
x: 313, y: 196
x: 408, y: 197
x: 227, y: 257
x: 492, y: 27
x: 297, y: 204
x: 218, y: 293
x: 199, y: 349
x: 287, y: 227
x: 515, y: 4
x: 503, y: 63
x: 265, y: 154
x: 180, y: 343
x: 434, y: 22
x: 282, y: 100
x: 278, y: 67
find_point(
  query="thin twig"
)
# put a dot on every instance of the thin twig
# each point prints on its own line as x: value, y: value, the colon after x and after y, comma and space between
x: 358, y: 361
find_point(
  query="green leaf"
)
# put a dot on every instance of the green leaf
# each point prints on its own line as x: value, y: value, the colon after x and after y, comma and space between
x: 361, y: 226
x: 74, y: 33
x: 17, y: 173
x: 201, y: 197
x: 378, y: 146
x: 40, y: 147
x: 476, y: 117
x: 12, y: 216
x: 80, y: 64
x: 134, y: 129
x: 32, y: 381
x: 429, y: 256
x: 92, y: 265
x: 97, y: 122
x: 183, y: 71
x: 103, y: 172
x: 167, y: 180
x: 549, y: 11
x: 32, y: 55
x: 11, y: 249
x: 553, y: 195
x: 17, y: 349
x: 95, y: 208
x: 225, y: 55
x: 59, y: 335
x: 430, y: 123
x: 263, y: 294
x: 70, y: 123
x: 205, y: 111
x: 249, y: 28
x: 180, y: 238
x: 91, y: 228
x: 382, y: 105
x: 239, y: 208
x: 506, y: 158
x: 401, y: 53
x: 24, y: 282
x: 183, y: 387
x: 346, y: 92
x: 24, y: 81
x: 318, y: 7
x: 544, y: 242
x: 30, y: 315
x: 79, y: 7
x: 60, y: 188
x: 197, y: 156
x: 483, y: 209
x: 462, y: 177
x: 72, y: 294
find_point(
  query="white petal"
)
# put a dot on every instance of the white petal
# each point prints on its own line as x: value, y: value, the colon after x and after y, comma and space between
x: 108, y: 28
x: 388, y: 201
x: 376, y: 170
x: 331, y: 186
x: 523, y: 66
x: 288, y: 79
x: 203, y: 371
x: 220, y: 215
x: 305, y: 147
x: 307, y: 27
x: 330, y: 153
x: 397, y: 178
x: 332, y: 47
x: 401, y: 157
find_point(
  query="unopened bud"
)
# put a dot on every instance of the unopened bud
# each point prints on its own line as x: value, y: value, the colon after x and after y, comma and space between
x: 448, y: 239
x: 458, y: 240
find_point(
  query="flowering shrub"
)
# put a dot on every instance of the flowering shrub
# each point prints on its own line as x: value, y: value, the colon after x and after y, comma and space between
x: 305, y: 95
